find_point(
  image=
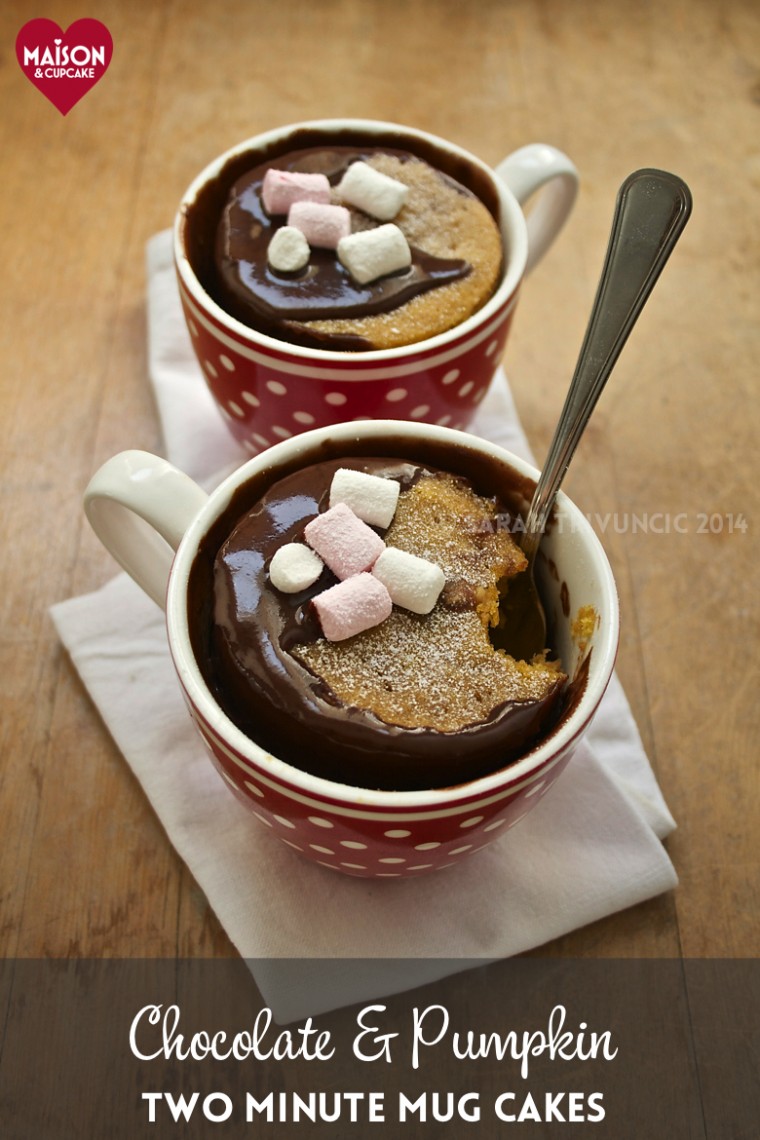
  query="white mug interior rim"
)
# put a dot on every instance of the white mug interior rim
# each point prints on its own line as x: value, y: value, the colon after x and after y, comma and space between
x: 513, y: 229
x: 600, y: 670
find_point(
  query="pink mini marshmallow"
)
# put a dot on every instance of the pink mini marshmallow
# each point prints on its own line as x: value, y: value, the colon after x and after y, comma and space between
x: 351, y: 607
x: 322, y: 225
x: 345, y: 543
x: 281, y: 188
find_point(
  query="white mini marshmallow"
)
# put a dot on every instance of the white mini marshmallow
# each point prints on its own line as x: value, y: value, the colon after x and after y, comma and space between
x: 372, y: 498
x: 294, y: 567
x: 370, y: 254
x: 288, y: 251
x: 352, y: 606
x: 281, y: 188
x: 412, y: 582
x: 375, y: 193
x: 322, y: 225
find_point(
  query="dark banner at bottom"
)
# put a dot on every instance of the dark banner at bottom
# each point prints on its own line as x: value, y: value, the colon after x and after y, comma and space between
x: 529, y: 1047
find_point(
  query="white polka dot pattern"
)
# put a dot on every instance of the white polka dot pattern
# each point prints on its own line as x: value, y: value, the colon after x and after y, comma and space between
x: 353, y: 846
x: 257, y: 413
x: 283, y: 390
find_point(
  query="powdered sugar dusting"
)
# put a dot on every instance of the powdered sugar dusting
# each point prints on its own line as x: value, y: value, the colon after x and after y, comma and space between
x: 438, y: 671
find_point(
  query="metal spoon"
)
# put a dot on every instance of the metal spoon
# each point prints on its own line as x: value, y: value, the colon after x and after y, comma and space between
x: 651, y: 211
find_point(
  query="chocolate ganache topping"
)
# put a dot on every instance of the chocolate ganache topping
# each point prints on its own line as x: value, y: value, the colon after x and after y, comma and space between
x: 420, y: 701
x: 322, y: 305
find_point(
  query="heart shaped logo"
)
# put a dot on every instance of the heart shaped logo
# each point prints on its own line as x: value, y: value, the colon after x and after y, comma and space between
x: 64, y: 65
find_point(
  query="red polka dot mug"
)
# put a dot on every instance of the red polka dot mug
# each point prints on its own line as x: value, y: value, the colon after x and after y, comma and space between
x: 268, y: 390
x: 155, y: 520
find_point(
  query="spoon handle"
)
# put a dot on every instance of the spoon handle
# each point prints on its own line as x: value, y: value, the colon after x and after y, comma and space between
x: 651, y: 211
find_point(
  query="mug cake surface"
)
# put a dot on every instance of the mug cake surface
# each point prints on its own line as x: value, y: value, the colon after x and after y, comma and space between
x: 416, y: 700
x: 455, y: 255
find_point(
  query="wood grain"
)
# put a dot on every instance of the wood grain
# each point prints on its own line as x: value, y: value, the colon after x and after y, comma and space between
x: 85, y: 868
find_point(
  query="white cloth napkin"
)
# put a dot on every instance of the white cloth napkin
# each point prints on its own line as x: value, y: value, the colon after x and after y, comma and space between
x: 589, y: 849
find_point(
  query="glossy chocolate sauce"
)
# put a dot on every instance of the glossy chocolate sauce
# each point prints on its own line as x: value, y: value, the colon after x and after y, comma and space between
x: 276, y: 700
x: 229, y: 255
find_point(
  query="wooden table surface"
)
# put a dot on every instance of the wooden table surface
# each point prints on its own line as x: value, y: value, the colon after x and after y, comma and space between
x: 85, y: 867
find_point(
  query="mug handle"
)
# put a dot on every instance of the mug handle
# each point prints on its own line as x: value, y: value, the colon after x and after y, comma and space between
x: 534, y: 167
x: 140, y: 507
